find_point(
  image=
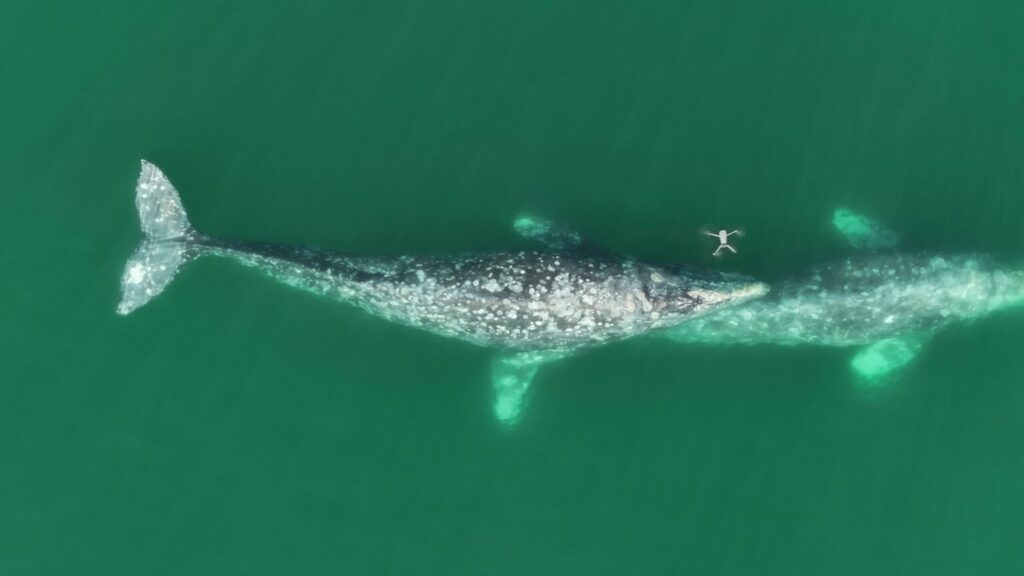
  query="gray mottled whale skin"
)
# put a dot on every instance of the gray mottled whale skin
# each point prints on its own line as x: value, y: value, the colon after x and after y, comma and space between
x: 524, y: 301
x: 888, y: 302
x: 534, y: 305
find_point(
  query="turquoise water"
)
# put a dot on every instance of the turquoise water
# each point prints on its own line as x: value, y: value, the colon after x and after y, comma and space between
x: 235, y: 426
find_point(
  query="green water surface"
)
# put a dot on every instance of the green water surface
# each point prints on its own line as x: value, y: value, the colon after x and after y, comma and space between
x: 236, y: 426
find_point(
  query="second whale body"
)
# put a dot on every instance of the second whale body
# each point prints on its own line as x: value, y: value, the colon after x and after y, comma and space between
x: 886, y: 301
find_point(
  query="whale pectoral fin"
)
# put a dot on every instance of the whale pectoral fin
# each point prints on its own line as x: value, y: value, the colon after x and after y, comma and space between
x: 511, y: 375
x: 863, y: 232
x: 876, y: 364
x: 548, y: 233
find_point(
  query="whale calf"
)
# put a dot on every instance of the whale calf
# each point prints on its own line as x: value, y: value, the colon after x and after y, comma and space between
x: 534, y: 306
x: 887, y: 302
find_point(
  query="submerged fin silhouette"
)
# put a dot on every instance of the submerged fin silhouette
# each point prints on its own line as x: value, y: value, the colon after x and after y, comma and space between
x: 863, y: 232
x: 511, y: 376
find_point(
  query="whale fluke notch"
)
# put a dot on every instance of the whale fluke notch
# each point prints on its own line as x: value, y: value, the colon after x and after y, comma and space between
x: 547, y: 232
x: 511, y: 376
x: 165, y: 247
x: 863, y: 232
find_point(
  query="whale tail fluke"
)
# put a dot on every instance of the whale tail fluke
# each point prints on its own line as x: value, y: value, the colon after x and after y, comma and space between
x: 169, y: 238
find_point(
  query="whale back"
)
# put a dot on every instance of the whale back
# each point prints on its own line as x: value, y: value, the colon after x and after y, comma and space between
x: 863, y: 299
x: 535, y: 300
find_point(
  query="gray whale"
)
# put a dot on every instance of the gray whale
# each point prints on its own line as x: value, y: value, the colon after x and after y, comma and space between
x: 886, y: 301
x: 534, y: 306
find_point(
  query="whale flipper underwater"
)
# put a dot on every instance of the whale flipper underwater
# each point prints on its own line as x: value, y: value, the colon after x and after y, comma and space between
x: 876, y: 362
x: 862, y: 232
x: 886, y: 302
x: 533, y: 306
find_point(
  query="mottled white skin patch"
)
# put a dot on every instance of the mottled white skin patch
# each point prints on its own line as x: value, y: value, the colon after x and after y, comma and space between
x: 517, y: 300
x: 862, y: 300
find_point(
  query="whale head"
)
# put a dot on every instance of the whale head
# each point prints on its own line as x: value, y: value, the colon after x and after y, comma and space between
x: 676, y: 294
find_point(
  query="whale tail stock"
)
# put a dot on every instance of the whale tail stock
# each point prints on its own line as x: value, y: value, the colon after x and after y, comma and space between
x: 168, y: 243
